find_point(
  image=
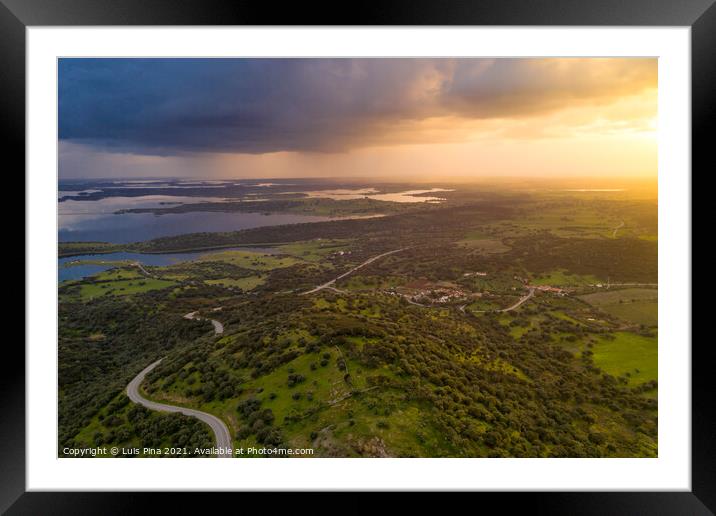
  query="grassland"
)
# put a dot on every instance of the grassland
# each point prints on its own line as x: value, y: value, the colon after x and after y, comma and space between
x: 562, y: 278
x: 247, y: 283
x: 485, y: 304
x: 637, y: 305
x: 118, y: 274
x: 638, y: 312
x: 364, y: 282
x: 629, y: 295
x: 126, y: 287
x: 251, y: 260
x: 315, y: 250
x: 572, y: 219
x: 478, y: 241
x: 630, y: 354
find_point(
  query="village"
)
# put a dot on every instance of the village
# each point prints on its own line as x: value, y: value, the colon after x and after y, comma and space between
x: 427, y: 293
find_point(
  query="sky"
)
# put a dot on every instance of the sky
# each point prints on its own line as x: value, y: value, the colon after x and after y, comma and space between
x: 389, y: 118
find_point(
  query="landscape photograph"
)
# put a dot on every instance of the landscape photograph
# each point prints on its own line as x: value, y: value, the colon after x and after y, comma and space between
x: 357, y: 258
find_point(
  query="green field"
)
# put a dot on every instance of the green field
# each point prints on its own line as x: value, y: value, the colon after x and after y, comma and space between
x: 628, y: 353
x: 118, y: 274
x: 561, y: 278
x: 609, y: 297
x: 251, y: 260
x: 332, y: 409
x: 639, y: 312
x: 314, y: 250
x: 637, y: 305
x: 483, y: 243
x: 362, y: 282
x: 122, y: 287
x: 247, y: 283
x: 485, y: 304
x: 570, y: 221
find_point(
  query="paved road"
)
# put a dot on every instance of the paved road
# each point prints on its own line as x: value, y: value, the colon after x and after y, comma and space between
x: 336, y: 290
x: 621, y: 225
x: 218, y: 327
x: 632, y: 285
x: 519, y: 303
x: 368, y: 261
x: 609, y: 285
x: 223, y: 438
x: 141, y: 268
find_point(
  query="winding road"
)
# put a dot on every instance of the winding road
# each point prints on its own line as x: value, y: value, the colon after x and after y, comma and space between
x: 221, y: 432
x: 519, y: 303
x: 621, y: 225
x: 218, y: 327
x: 329, y: 284
x: 141, y: 268
x: 633, y: 285
x: 223, y: 438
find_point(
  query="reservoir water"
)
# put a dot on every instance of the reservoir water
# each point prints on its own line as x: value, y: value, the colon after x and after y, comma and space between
x: 66, y: 271
x: 98, y: 220
x: 135, y: 227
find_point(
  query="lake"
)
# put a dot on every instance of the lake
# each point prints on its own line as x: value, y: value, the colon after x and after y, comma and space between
x: 81, y: 271
x: 343, y: 194
x: 134, y: 227
x: 97, y: 221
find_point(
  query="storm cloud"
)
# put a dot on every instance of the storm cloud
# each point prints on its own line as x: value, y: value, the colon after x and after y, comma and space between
x: 169, y: 107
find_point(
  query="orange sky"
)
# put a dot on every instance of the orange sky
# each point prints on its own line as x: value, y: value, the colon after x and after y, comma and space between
x: 536, y: 117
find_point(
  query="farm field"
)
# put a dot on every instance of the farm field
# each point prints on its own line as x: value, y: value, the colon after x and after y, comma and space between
x: 120, y: 287
x: 628, y: 354
x: 563, y: 278
x: 247, y: 283
x: 251, y: 260
x: 635, y: 305
x: 639, y: 312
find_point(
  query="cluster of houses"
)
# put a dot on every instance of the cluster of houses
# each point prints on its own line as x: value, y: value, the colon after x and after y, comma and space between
x: 547, y: 288
x: 441, y: 295
x: 426, y: 292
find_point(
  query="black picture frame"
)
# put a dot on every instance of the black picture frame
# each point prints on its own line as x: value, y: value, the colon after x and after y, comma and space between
x: 700, y: 15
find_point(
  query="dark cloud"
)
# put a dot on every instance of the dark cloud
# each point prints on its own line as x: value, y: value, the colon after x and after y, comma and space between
x: 175, y: 106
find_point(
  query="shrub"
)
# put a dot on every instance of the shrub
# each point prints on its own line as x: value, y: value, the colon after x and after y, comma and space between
x: 294, y: 379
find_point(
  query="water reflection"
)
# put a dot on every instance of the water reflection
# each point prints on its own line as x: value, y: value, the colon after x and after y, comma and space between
x: 113, y: 204
x: 134, y: 227
x: 372, y: 193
